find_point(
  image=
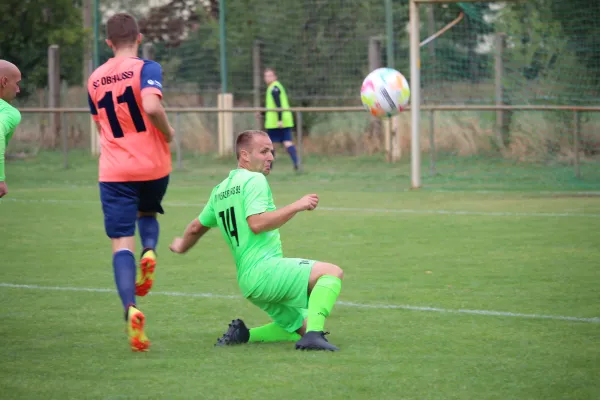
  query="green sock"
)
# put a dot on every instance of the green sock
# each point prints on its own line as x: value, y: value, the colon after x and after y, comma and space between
x: 272, y: 333
x: 321, y: 301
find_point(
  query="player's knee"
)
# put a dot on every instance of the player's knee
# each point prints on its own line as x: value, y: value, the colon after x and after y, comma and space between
x: 337, y: 271
x: 288, y: 143
x: 120, y: 243
x: 330, y: 269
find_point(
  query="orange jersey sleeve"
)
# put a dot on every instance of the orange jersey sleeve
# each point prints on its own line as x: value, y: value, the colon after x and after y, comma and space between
x: 131, y: 148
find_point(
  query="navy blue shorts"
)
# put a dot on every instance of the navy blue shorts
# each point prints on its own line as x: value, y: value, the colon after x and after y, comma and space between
x: 279, y: 135
x: 121, y: 202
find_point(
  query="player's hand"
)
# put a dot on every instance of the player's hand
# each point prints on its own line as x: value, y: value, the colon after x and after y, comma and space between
x: 177, y: 245
x: 279, y: 124
x: 308, y: 202
x: 171, y: 135
x: 3, y: 189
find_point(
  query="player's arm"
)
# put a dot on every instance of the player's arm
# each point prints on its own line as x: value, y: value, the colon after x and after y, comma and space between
x: 8, y: 124
x: 3, y: 136
x: 151, y: 86
x: 256, y: 202
x: 271, y: 220
x: 3, y: 133
x: 277, y: 98
x: 195, y: 229
x: 157, y: 115
x: 193, y: 232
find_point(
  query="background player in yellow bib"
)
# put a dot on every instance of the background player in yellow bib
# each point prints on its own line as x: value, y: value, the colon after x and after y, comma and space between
x: 297, y: 294
x: 10, y: 117
x: 279, y: 124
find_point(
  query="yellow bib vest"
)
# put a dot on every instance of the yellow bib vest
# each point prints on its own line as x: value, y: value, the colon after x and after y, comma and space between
x: 272, y: 117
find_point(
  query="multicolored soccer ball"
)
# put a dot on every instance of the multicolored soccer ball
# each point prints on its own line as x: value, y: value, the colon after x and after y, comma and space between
x: 385, y: 92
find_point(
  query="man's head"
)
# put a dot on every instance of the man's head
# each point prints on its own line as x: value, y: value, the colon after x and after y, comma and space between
x: 270, y: 76
x: 122, y: 32
x: 254, y: 151
x: 10, y: 76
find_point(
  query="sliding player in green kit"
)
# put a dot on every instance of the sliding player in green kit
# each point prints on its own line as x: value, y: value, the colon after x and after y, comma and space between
x: 297, y: 294
x: 10, y: 117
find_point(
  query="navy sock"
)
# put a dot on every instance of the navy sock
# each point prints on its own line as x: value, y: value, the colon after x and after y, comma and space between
x: 125, y: 270
x: 148, y: 227
x: 292, y: 151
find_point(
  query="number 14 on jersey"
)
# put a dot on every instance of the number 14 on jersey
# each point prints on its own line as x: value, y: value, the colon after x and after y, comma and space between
x: 228, y: 219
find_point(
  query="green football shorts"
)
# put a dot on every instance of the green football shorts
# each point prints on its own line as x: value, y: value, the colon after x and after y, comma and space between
x: 281, y: 290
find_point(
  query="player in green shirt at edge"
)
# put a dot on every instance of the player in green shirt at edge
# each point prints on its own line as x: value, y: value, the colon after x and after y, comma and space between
x: 297, y: 294
x: 10, y: 117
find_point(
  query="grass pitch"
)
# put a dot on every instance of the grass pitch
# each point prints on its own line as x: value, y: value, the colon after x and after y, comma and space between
x: 481, y: 285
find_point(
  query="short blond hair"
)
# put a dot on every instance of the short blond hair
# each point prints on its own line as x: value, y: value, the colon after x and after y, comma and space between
x: 244, y: 140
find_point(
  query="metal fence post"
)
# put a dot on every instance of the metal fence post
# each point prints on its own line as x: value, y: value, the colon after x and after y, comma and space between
x: 54, y: 92
x: 299, y: 133
x: 415, y: 97
x: 178, y: 140
x: 431, y: 143
x: 576, y: 132
x: 256, y: 78
x: 501, y: 121
x: 64, y: 136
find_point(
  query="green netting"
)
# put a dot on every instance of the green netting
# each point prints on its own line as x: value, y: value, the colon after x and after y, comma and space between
x: 320, y: 49
x: 545, y: 53
x: 551, y: 54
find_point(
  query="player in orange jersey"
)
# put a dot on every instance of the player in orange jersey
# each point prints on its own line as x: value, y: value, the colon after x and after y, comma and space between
x: 124, y: 96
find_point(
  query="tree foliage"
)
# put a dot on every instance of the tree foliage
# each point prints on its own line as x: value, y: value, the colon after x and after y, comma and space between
x: 29, y: 27
x: 318, y: 47
x: 308, y: 43
x: 555, y: 46
x: 171, y: 23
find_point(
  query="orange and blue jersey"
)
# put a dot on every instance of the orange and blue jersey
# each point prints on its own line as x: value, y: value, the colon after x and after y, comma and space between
x: 131, y: 148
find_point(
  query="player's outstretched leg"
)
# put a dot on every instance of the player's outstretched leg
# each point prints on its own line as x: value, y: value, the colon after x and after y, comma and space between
x: 325, y: 284
x: 238, y: 333
x: 135, y: 329
x: 271, y: 333
x: 149, y: 229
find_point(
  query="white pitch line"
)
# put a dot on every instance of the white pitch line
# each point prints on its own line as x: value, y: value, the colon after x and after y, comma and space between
x: 348, y: 209
x: 525, y: 191
x: 458, y: 212
x: 341, y: 303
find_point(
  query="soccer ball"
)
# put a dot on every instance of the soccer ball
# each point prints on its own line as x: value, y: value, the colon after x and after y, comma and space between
x: 385, y: 92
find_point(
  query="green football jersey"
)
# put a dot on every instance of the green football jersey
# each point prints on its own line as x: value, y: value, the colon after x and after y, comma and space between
x: 10, y: 117
x: 240, y: 195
